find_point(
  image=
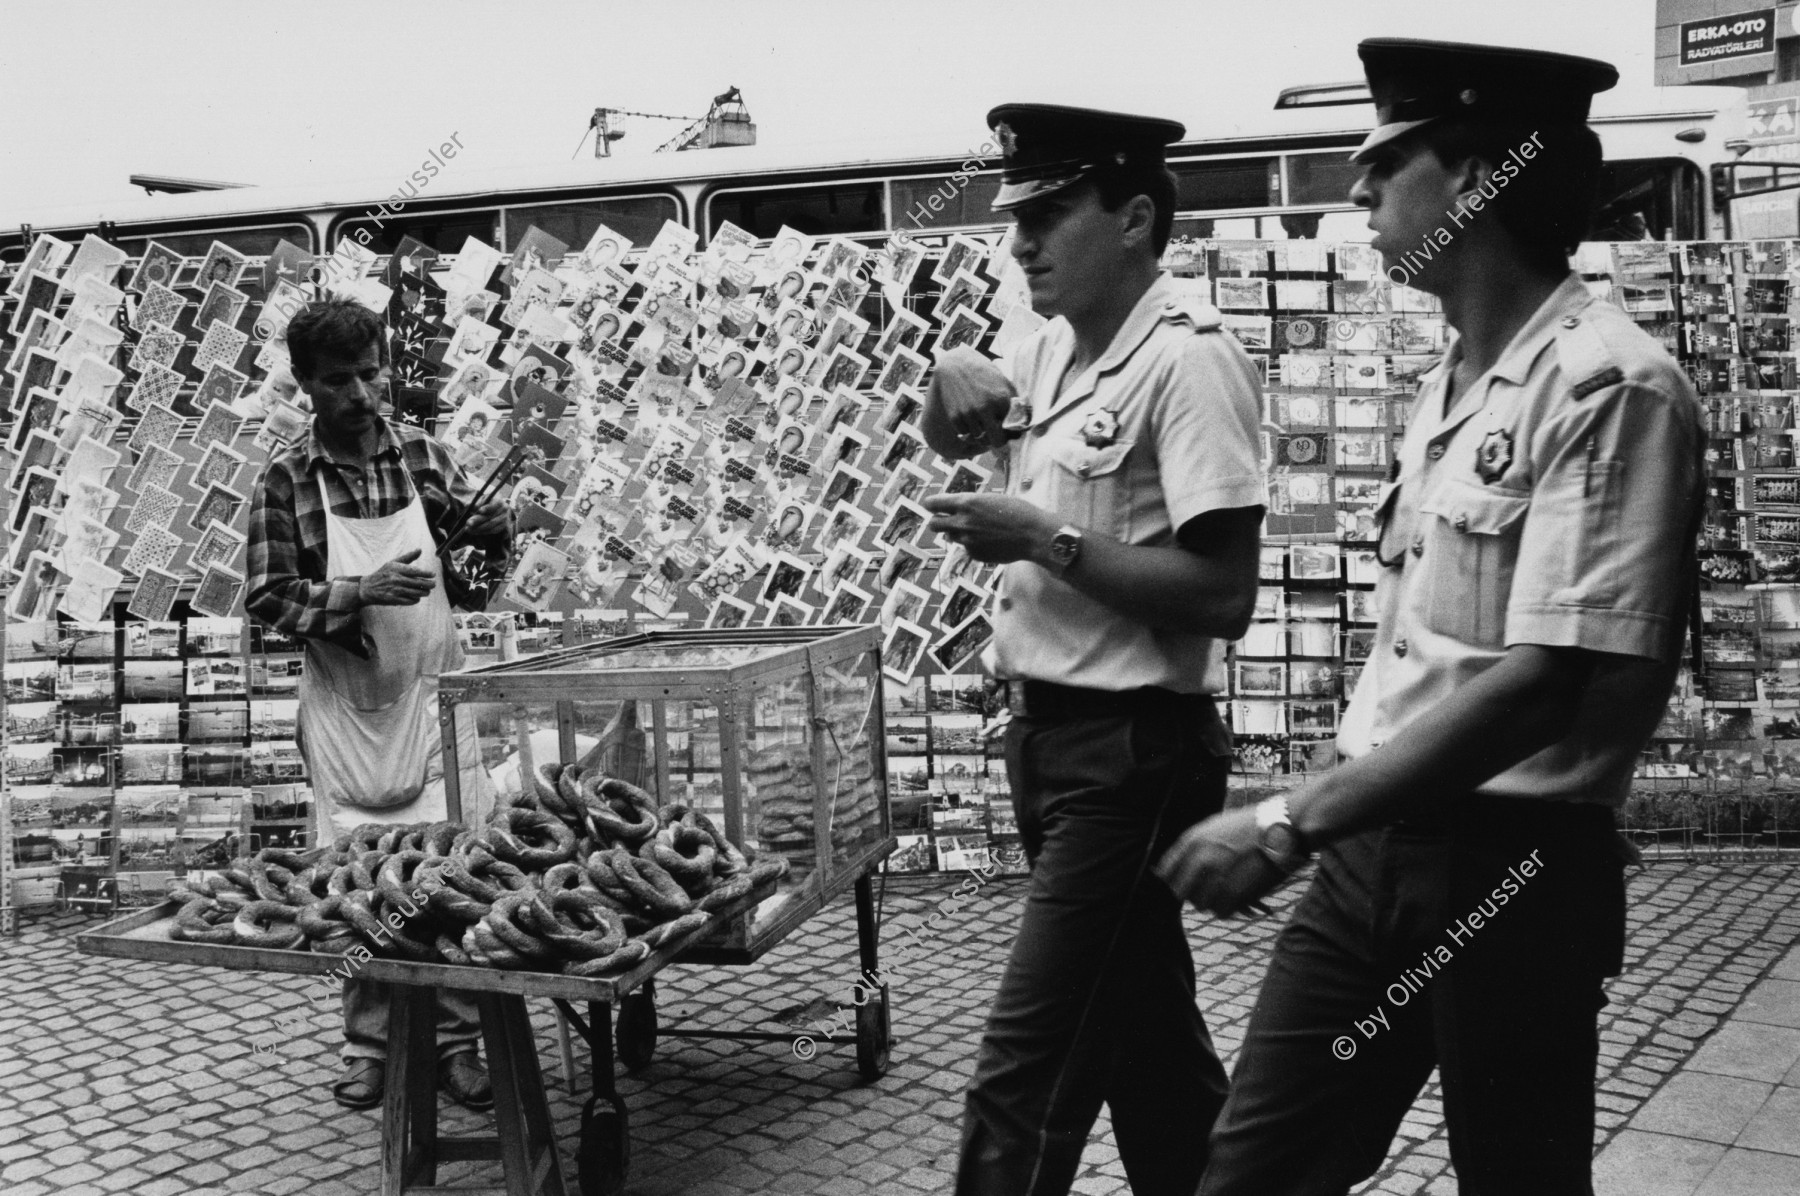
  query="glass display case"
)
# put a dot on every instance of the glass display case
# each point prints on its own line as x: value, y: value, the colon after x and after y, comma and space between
x: 774, y: 733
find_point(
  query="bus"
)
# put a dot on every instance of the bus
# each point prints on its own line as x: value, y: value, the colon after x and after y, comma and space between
x: 1668, y: 176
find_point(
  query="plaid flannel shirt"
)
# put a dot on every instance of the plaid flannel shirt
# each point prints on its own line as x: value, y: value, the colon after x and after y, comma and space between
x: 289, y: 586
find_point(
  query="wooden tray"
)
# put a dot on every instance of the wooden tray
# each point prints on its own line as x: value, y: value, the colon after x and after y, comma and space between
x: 145, y: 935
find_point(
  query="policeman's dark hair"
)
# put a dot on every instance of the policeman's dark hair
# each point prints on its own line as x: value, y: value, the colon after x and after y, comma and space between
x: 1118, y: 185
x: 1547, y: 202
x: 332, y: 327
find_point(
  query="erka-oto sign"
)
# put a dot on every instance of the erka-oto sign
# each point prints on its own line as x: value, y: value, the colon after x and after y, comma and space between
x: 1720, y: 39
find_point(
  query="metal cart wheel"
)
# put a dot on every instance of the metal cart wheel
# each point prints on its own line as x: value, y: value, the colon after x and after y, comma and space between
x: 636, y: 1031
x: 872, y: 1038
x: 603, y: 1156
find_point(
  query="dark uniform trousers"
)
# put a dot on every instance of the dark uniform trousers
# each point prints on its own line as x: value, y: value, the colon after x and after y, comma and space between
x: 1358, y: 1005
x: 1097, y: 1000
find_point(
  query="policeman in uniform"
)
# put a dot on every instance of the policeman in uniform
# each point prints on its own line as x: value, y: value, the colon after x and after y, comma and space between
x: 1537, y: 543
x: 1129, y: 529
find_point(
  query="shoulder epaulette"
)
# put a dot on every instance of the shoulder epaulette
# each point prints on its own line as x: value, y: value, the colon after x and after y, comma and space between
x: 1585, y: 356
x: 1192, y: 309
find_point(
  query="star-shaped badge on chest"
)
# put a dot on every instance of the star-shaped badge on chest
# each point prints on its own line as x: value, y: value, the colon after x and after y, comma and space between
x: 1101, y: 428
x: 1495, y: 455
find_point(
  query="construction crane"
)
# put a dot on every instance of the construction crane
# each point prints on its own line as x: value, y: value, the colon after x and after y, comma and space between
x: 727, y: 122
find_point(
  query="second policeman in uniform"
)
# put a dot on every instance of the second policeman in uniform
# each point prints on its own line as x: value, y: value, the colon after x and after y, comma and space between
x: 1537, y: 552
x: 1129, y: 531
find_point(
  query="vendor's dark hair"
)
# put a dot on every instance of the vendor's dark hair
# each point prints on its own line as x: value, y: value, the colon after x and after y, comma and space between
x: 1117, y: 185
x: 340, y: 327
x: 1547, y: 201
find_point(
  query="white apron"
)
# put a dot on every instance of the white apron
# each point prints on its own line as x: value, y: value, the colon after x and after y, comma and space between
x: 368, y: 729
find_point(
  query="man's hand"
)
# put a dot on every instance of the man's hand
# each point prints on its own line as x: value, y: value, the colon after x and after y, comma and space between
x: 1219, y: 865
x: 995, y: 528
x: 397, y: 583
x: 491, y: 518
x: 974, y: 396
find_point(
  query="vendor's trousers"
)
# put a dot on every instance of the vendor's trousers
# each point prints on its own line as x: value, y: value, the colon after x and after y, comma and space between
x: 1097, y: 1000
x: 366, y: 1021
x: 1476, y: 942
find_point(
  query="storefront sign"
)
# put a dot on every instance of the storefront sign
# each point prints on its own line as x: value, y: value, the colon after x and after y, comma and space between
x: 1720, y: 39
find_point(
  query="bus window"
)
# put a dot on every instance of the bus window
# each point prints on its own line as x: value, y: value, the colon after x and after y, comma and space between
x: 257, y: 242
x: 639, y: 217
x: 1229, y: 228
x: 1226, y: 183
x: 1320, y: 178
x: 970, y: 201
x: 820, y: 211
x: 443, y: 231
x: 1654, y: 199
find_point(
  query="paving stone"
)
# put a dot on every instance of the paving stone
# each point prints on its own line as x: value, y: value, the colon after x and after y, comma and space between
x: 717, y: 1119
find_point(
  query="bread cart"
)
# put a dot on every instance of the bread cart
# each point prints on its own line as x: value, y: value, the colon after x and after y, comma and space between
x: 792, y: 718
x: 411, y: 1148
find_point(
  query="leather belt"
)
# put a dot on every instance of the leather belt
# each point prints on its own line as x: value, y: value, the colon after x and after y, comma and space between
x: 1048, y: 700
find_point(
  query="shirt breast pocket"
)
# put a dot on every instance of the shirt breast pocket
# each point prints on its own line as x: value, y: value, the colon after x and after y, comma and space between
x: 1088, y: 486
x: 1471, y: 550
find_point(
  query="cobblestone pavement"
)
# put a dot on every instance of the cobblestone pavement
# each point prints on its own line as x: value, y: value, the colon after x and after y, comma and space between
x: 96, y: 1094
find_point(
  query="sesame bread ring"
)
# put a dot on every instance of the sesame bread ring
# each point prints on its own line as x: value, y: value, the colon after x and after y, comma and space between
x: 619, y: 819
x: 530, y: 839
x: 543, y: 783
x: 685, y: 852
x: 359, y: 912
x: 364, y: 837
x: 450, y: 901
x: 501, y: 920
x: 631, y: 953
x: 729, y: 889
x: 656, y: 936
x: 564, y: 877
x: 364, y: 867
x: 614, y: 789
x: 239, y: 876
x: 403, y: 942
x: 768, y: 865
x: 653, y: 887
x: 309, y: 887
x: 267, y: 924
x: 451, y: 951
x: 485, y: 948
x: 322, y: 919
x: 335, y: 944
x: 438, y: 838
x: 271, y: 881
x: 397, y: 878
x: 340, y: 881
x: 202, y: 920
x: 293, y: 861
x: 233, y: 900
x: 579, y: 924
x: 568, y: 792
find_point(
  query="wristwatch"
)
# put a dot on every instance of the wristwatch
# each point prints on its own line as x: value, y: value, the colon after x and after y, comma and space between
x: 1276, y: 837
x: 1065, y: 546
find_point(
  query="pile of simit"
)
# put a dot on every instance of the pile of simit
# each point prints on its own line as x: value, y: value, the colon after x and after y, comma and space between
x: 585, y: 875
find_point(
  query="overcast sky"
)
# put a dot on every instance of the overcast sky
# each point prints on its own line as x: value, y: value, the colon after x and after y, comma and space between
x: 260, y: 92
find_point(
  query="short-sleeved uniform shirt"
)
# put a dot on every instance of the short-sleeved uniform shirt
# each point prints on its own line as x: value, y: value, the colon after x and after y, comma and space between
x: 1554, y: 504
x: 1163, y: 427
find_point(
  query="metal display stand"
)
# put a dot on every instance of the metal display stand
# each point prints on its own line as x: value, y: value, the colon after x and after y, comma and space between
x: 803, y: 771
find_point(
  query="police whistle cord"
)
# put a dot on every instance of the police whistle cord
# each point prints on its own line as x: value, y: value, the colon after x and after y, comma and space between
x: 585, y: 876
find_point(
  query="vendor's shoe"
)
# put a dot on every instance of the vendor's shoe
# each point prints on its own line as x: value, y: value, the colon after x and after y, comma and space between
x: 466, y: 1080
x: 363, y: 1084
